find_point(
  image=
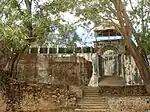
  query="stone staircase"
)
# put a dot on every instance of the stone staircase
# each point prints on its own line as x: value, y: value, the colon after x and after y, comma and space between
x: 92, y: 101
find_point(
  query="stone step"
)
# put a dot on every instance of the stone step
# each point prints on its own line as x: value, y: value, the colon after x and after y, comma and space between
x: 91, y: 94
x: 93, y: 98
x: 88, y: 105
x: 87, y: 91
x: 91, y: 89
x: 92, y: 102
x: 91, y: 110
x: 97, y: 89
x: 93, y: 106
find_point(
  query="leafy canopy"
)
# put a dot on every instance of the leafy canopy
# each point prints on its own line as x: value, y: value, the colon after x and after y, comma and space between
x: 103, y: 13
x: 26, y: 21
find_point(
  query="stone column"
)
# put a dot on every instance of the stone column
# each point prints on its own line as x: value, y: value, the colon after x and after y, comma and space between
x: 97, y: 65
x: 42, y: 68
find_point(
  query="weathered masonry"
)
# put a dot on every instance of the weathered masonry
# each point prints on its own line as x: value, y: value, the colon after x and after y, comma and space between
x: 56, y: 79
x: 111, y: 57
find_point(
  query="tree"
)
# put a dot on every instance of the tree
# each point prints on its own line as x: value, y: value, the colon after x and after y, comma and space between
x: 23, y: 23
x: 114, y: 12
x: 128, y: 31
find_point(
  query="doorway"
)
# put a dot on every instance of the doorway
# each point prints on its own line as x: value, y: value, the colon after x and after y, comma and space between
x: 109, y: 62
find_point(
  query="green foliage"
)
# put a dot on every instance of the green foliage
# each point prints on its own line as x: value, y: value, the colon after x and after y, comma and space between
x: 19, y: 20
x: 25, y: 19
x: 64, y: 35
x: 141, y: 15
x: 103, y: 13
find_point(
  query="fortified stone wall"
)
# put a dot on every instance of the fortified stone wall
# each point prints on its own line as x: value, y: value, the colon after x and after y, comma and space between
x: 126, y: 98
x: 43, y: 97
x: 62, y: 68
x: 129, y: 104
x: 52, y: 69
x: 63, y: 98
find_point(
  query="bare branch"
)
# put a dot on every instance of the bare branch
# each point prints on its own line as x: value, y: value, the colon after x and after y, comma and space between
x: 131, y: 5
x: 115, y: 25
x: 111, y: 9
x: 89, y: 31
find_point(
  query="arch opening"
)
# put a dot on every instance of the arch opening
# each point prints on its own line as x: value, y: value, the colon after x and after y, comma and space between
x: 109, y: 61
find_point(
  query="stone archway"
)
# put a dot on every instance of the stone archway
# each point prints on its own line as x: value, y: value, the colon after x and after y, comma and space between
x: 110, y: 66
x: 108, y: 61
x: 108, y: 47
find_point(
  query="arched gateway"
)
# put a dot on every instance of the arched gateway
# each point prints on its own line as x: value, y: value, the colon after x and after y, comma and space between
x: 109, y: 56
x: 109, y: 61
x: 113, y: 63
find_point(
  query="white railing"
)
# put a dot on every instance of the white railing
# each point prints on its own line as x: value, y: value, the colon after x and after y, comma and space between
x: 57, y: 50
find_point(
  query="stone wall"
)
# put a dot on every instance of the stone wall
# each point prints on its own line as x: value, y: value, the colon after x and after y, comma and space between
x: 62, y: 68
x: 47, y: 97
x: 126, y: 98
x: 44, y: 97
x: 129, y: 104
x: 63, y: 98
x: 135, y: 90
x: 52, y: 69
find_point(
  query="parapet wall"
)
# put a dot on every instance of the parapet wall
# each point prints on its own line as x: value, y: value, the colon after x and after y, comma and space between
x: 52, y: 69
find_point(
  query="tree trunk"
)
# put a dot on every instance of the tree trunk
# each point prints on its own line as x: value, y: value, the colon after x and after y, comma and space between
x: 13, y: 96
x: 126, y: 31
x: 140, y: 62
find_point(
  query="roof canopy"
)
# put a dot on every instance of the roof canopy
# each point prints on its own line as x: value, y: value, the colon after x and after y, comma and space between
x: 102, y: 28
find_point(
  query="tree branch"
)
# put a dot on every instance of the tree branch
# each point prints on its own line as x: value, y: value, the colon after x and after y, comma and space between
x: 131, y: 5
